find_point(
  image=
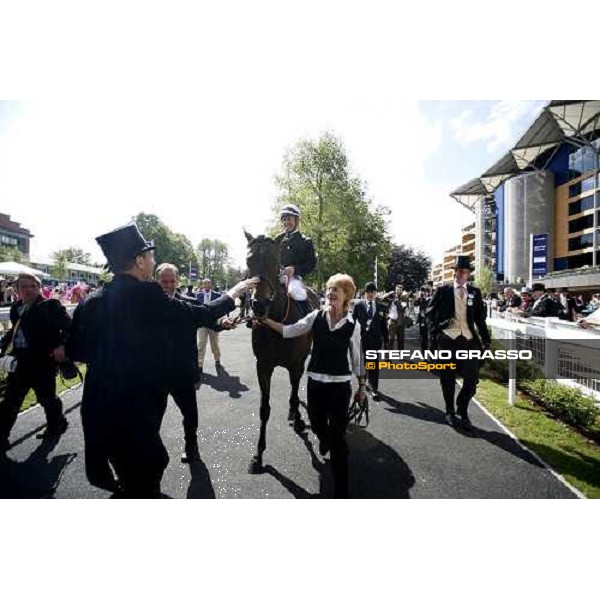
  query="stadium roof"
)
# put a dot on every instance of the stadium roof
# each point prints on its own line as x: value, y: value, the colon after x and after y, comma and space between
x: 575, y: 121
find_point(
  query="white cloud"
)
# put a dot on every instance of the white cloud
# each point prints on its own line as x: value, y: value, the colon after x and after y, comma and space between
x: 498, y: 129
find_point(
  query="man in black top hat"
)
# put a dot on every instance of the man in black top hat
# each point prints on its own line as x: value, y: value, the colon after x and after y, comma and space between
x: 122, y: 333
x: 373, y: 329
x: 544, y: 305
x: 454, y: 313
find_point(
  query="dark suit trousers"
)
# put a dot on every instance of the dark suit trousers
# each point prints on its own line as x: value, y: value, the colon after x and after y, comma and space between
x: 370, y: 343
x: 468, y: 369
x: 183, y: 390
x: 30, y: 374
x: 424, y: 335
x: 328, y: 405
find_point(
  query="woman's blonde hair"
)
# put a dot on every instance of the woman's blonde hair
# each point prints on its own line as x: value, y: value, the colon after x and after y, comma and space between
x: 345, y: 282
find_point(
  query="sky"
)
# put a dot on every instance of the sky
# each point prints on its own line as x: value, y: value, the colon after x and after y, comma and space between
x: 187, y: 113
x: 72, y: 170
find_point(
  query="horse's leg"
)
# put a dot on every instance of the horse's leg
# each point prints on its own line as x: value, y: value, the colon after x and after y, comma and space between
x: 294, y: 413
x: 264, y: 373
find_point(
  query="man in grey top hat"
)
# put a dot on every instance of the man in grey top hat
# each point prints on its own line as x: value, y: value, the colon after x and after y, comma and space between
x: 456, y: 316
x: 122, y: 334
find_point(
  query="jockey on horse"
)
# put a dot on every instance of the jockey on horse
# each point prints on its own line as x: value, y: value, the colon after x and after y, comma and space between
x: 297, y: 256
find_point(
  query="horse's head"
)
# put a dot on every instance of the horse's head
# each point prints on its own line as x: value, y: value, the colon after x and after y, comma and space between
x: 263, y: 261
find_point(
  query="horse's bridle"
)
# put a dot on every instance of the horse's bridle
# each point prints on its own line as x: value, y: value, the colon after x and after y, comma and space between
x: 263, y: 304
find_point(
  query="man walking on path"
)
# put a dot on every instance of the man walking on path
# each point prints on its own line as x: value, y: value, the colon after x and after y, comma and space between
x: 183, y: 377
x: 396, y: 325
x: 454, y: 312
x: 373, y: 329
x: 206, y: 295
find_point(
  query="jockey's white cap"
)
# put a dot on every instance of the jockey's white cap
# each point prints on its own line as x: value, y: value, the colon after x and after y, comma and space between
x: 290, y: 210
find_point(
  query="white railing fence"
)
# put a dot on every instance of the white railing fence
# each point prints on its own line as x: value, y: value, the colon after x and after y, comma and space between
x: 564, y: 351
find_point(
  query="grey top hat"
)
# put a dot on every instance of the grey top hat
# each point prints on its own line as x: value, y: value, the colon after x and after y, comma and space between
x: 122, y: 245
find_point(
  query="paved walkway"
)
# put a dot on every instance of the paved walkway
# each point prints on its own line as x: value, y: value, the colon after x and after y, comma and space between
x: 406, y: 452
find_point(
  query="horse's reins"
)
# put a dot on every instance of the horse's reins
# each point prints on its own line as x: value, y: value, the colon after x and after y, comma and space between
x: 239, y: 319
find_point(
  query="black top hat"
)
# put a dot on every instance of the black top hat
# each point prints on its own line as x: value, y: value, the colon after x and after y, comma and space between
x: 538, y: 287
x: 122, y: 245
x: 370, y: 287
x: 463, y: 261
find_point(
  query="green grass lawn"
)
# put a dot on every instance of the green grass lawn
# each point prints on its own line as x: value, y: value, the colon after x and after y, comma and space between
x: 568, y: 452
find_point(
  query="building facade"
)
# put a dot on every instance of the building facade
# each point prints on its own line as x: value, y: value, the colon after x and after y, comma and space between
x: 13, y: 236
x: 538, y: 208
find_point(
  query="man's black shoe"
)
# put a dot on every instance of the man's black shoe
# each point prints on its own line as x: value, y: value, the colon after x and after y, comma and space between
x: 465, y: 422
x: 376, y: 397
x: 451, y: 419
x: 53, y: 431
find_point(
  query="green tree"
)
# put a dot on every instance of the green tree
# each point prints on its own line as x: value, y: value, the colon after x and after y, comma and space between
x: 11, y: 255
x: 171, y: 247
x: 485, y: 280
x: 213, y: 261
x: 59, y: 269
x: 75, y: 255
x: 347, y: 229
x: 408, y: 267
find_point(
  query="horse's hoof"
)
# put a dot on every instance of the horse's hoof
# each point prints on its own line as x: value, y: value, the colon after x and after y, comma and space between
x: 256, y: 466
x: 299, y: 426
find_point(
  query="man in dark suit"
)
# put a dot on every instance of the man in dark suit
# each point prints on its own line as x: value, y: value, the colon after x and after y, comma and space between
x: 36, y: 342
x: 122, y: 334
x: 454, y: 314
x: 373, y: 329
x: 421, y: 304
x: 543, y: 305
x: 184, y: 376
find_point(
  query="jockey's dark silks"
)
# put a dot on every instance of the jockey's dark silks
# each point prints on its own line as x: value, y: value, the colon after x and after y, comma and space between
x: 297, y: 250
x: 330, y: 348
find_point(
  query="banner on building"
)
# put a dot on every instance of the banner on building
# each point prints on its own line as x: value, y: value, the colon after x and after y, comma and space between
x: 539, y: 255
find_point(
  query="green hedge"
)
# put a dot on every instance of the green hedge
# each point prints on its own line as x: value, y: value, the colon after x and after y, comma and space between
x: 569, y: 404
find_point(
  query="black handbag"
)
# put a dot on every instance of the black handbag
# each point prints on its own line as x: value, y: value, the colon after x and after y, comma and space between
x: 69, y: 370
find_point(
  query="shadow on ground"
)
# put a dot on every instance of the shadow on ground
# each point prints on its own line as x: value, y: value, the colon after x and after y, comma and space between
x: 426, y: 412
x: 201, y: 486
x: 224, y: 382
x: 36, y: 477
x: 375, y: 469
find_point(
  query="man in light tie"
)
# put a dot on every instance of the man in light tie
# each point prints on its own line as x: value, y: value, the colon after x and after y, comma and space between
x: 206, y: 295
x: 453, y: 313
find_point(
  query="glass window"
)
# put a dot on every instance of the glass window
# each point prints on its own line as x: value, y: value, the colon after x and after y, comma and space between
x: 589, y: 160
x: 587, y: 185
x: 581, y: 242
x: 575, y: 189
x: 581, y: 223
x: 587, y: 203
x: 576, y: 163
x: 574, y: 208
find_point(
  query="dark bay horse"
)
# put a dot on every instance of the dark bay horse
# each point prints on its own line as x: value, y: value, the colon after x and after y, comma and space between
x: 270, y: 348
